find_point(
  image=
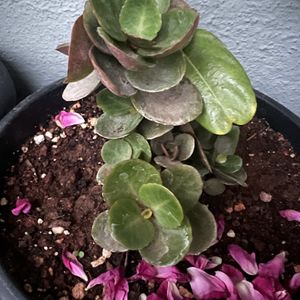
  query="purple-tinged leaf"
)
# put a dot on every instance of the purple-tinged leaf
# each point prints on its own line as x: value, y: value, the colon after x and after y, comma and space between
x: 205, y: 286
x: 234, y: 274
x: 22, y: 206
x: 274, y: 268
x: 246, y: 261
x: 246, y: 291
x: 73, y: 265
x: 290, y: 214
x: 220, y: 226
x: 63, y: 48
x: 295, y: 282
x: 79, y: 63
x: 229, y: 285
x: 197, y: 261
x: 66, y: 119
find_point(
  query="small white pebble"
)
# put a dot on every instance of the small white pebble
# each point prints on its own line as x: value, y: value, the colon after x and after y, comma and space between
x: 106, y: 253
x: 38, y: 139
x: 251, y: 154
x: 265, y: 197
x: 50, y: 232
x: 57, y: 230
x: 24, y: 149
x: 40, y: 221
x: 67, y: 232
x: 83, y: 126
x: 55, y: 139
x: 49, y: 135
x: 63, y: 135
x: 54, y: 159
x: 45, y: 248
x: 43, y: 175
x: 38, y: 209
x: 231, y: 233
x: 283, y: 242
x: 293, y: 155
x: 80, y: 159
x: 35, y: 245
x: 54, y: 146
x: 95, y: 137
x: 26, y: 233
x: 3, y: 201
x: 55, y: 253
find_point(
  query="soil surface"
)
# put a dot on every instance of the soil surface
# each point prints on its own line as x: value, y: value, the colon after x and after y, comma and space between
x: 58, y: 177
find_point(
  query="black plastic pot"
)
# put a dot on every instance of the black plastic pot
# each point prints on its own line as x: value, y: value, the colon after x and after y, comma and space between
x: 24, y: 119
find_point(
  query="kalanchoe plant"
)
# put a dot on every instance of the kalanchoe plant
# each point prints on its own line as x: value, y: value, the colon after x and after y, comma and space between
x: 172, y: 94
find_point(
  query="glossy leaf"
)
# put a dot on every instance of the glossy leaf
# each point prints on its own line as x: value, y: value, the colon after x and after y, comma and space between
x: 151, y: 130
x: 79, y: 65
x: 204, y: 228
x: 78, y: 90
x: 128, y: 225
x: 102, y: 235
x: 227, y: 144
x: 169, y: 245
x: 103, y: 172
x: 115, y: 151
x: 186, y: 184
x: 117, y: 126
x: 176, y: 106
x: 225, y: 88
x: 124, y: 54
x: 91, y: 24
x: 239, y: 177
x: 166, y: 162
x: 206, y: 138
x: 186, y: 144
x: 140, y: 19
x: 140, y: 146
x: 167, y: 73
x: 126, y: 179
x: 178, y: 27
x: 111, y: 73
x: 107, y: 14
x: 157, y: 144
x: 163, y: 203
x: 163, y: 5
x: 233, y: 164
x: 214, y: 187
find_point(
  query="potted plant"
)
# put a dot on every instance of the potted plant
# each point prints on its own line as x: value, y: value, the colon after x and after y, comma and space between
x: 172, y: 99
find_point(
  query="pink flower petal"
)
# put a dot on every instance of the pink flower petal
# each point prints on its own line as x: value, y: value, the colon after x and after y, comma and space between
x: 168, y: 290
x: 290, y: 214
x: 282, y: 295
x: 220, y: 226
x: 66, y: 119
x: 22, y: 206
x: 229, y: 285
x: 295, y: 282
x: 246, y: 261
x: 246, y: 291
x: 205, y: 286
x: 122, y: 290
x: 274, y: 268
x: 144, y: 271
x: 197, y: 261
x: 233, y: 273
x: 171, y: 273
x: 213, y: 262
x: 73, y: 265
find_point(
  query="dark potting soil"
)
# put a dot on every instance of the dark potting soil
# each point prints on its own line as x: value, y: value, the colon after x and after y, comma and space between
x: 58, y: 177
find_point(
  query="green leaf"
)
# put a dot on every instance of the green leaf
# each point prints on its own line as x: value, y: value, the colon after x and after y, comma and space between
x: 126, y: 179
x: 90, y: 24
x: 227, y: 144
x: 225, y: 88
x: 151, y: 130
x: 111, y: 73
x: 186, y: 184
x: 179, y: 4
x: 157, y: 144
x: 166, y: 162
x: 186, y: 144
x: 140, y: 146
x: 176, y: 106
x: 107, y: 14
x: 163, y: 5
x: 78, y: 90
x: 140, y: 19
x: 117, y: 126
x: 169, y: 246
x: 124, y: 54
x: 214, y: 187
x: 128, y: 225
x: 163, y: 203
x: 238, y: 177
x: 101, y: 233
x: 103, y: 172
x: 79, y: 65
x: 204, y: 228
x: 167, y: 73
x: 178, y: 27
x: 206, y: 138
x: 114, y: 105
x: 233, y: 164
x: 115, y: 151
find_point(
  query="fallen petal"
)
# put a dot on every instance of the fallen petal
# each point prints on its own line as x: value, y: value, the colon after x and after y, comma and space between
x: 213, y: 262
x: 197, y: 261
x: 246, y: 261
x: 229, y: 285
x: 171, y: 273
x: 265, y: 285
x: 22, y: 206
x: 104, y: 278
x: 282, y: 295
x: 220, y: 226
x: 234, y: 274
x: 246, y: 291
x: 274, y: 268
x: 122, y: 290
x: 168, y: 290
x: 205, y: 286
x: 66, y: 119
x: 295, y: 282
x: 144, y: 271
x: 290, y: 214
x: 73, y: 265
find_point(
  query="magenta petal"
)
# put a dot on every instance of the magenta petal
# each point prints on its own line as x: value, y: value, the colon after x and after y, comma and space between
x: 233, y: 273
x: 220, y: 226
x: 168, y: 290
x: 197, y: 261
x: 246, y: 261
x: 104, y: 278
x: 144, y: 271
x: 265, y: 285
x: 66, y: 119
x: 246, y: 291
x: 274, y: 268
x: 205, y: 286
x: 22, y: 206
x: 122, y: 290
x: 73, y: 265
x: 282, y: 295
x: 290, y: 214
x: 229, y: 285
x: 170, y: 273
x: 213, y: 262
x: 295, y: 282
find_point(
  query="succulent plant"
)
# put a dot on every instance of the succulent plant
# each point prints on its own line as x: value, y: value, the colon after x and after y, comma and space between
x: 172, y: 96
